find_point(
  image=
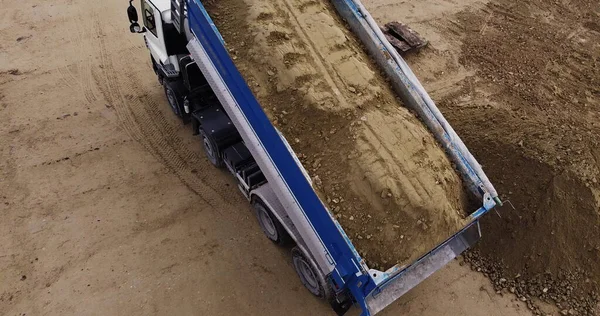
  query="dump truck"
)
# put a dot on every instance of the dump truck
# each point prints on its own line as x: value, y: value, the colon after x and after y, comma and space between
x: 206, y: 90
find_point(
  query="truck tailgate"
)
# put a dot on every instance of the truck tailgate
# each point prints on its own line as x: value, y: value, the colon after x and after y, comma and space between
x: 411, y: 276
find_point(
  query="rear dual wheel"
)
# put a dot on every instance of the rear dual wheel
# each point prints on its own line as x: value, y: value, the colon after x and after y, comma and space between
x: 310, y: 276
x: 269, y: 224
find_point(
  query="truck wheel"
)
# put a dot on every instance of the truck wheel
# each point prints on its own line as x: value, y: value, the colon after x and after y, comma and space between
x: 174, y: 96
x: 310, y: 276
x: 270, y: 225
x: 155, y: 67
x: 210, y: 149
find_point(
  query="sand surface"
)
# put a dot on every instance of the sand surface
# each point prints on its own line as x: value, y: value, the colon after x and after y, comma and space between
x: 373, y: 162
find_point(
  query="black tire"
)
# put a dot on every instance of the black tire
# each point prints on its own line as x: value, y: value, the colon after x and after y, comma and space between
x: 159, y: 77
x: 174, y: 95
x: 310, y: 276
x: 210, y: 149
x: 154, y: 66
x: 270, y: 225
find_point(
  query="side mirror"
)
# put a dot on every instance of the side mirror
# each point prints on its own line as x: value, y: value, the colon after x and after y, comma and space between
x: 136, y: 28
x: 132, y: 12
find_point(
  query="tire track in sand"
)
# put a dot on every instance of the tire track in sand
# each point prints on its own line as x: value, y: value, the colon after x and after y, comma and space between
x: 141, y: 118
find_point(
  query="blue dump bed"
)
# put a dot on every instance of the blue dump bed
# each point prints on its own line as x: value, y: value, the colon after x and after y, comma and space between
x: 372, y: 290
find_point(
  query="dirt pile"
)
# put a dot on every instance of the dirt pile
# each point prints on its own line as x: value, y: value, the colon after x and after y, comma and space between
x: 544, y: 64
x: 373, y: 162
x: 544, y: 61
x: 520, y: 82
x: 538, y: 290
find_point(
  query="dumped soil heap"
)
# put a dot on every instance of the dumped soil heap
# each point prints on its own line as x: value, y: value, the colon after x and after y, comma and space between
x: 520, y: 82
x: 372, y: 161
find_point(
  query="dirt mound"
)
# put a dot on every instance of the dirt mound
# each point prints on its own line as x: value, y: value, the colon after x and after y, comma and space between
x: 549, y: 242
x: 542, y: 150
x: 373, y: 162
x: 543, y: 147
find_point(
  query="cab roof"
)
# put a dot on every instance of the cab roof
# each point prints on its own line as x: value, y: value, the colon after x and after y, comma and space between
x: 162, y: 5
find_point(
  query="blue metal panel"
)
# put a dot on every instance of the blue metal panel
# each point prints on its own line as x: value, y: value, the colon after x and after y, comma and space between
x: 333, y: 239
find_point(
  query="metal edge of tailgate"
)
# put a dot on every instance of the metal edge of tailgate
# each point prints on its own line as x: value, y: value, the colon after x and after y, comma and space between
x: 395, y: 287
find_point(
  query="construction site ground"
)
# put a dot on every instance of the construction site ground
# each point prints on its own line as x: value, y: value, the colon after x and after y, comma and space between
x: 108, y: 206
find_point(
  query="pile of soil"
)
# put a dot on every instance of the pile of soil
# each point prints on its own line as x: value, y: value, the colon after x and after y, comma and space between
x: 522, y: 87
x: 372, y: 161
x: 543, y: 60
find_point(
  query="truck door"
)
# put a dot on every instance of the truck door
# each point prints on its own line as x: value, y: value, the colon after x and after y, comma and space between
x: 154, y: 34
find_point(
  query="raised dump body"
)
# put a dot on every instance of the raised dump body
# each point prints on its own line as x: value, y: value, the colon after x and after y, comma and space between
x: 374, y: 164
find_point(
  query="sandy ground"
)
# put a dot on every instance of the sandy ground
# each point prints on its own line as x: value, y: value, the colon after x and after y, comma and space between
x: 107, y: 204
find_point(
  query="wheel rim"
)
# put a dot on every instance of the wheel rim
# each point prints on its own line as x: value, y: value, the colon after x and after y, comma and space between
x: 208, y: 148
x: 308, y: 276
x: 266, y: 222
x: 172, y: 100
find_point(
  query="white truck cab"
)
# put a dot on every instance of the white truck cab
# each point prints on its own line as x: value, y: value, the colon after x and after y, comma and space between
x: 153, y: 18
x: 162, y: 38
